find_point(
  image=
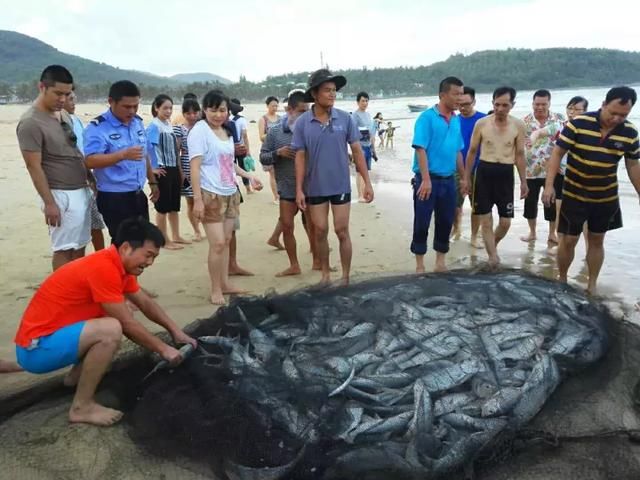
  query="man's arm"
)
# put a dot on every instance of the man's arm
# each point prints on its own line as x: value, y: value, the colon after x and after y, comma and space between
x: 136, y: 332
x: 633, y: 170
x: 33, y: 161
x: 245, y: 140
x: 476, y: 140
x: 157, y: 315
x: 267, y: 151
x: 361, y: 168
x: 520, y: 160
x: 424, y: 190
x: 301, y: 168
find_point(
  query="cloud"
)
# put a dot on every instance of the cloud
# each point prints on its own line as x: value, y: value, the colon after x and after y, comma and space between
x: 36, y: 27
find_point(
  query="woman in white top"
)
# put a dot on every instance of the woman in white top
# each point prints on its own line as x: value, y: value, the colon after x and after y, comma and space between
x: 265, y: 123
x: 216, y: 199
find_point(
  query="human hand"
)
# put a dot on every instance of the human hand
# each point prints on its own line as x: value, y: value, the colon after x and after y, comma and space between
x: 374, y: 155
x: 524, y: 190
x: 198, y: 209
x: 155, y: 193
x: 180, y: 338
x: 256, y: 184
x: 159, y: 172
x: 171, y: 355
x: 132, y: 153
x: 286, y: 152
x: 424, y: 190
x: 548, y: 196
x: 301, y: 200
x: 240, y: 150
x: 52, y: 215
x: 368, y: 193
x: 464, y: 187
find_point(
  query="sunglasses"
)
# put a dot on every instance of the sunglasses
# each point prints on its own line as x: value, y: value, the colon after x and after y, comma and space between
x: 71, y: 135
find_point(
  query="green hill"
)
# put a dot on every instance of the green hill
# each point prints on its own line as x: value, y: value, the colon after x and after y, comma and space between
x: 199, y: 77
x: 486, y: 70
x: 23, y: 58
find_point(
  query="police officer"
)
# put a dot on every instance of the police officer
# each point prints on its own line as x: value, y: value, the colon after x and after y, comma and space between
x: 115, y: 147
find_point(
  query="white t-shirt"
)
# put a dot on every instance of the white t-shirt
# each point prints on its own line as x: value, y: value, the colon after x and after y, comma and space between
x: 217, y: 171
x: 241, y: 127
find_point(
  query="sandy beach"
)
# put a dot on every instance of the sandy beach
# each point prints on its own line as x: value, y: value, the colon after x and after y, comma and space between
x: 380, y: 233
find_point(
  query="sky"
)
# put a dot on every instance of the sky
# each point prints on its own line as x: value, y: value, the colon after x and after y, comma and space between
x: 258, y: 38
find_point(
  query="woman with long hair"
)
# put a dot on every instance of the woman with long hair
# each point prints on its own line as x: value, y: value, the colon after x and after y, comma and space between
x: 163, y: 148
x: 216, y: 198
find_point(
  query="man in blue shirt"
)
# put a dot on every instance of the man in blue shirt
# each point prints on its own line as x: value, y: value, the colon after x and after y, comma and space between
x: 468, y: 118
x: 437, y: 141
x: 115, y: 148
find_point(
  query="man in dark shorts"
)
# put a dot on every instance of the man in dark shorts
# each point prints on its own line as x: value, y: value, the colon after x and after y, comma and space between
x: 276, y: 151
x: 115, y: 148
x: 595, y: 143
x: 323, y: 180
x: 500, y: 137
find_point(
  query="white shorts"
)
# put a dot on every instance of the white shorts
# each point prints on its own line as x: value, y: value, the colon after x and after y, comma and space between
x: 74, y: 231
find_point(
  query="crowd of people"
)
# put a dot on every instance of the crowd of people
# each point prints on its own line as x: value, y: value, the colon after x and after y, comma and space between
x: 93, y: 177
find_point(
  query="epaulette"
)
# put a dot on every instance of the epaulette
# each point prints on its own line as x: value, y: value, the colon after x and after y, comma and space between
x: 98, y: 120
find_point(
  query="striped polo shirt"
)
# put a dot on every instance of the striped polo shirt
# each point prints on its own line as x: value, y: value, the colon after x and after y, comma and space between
x: 592, y: 161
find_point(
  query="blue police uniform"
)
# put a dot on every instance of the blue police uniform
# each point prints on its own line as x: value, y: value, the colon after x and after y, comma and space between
x: 120, y: 194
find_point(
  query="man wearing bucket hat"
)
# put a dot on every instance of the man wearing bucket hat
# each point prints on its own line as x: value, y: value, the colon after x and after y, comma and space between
x: 320, y: 140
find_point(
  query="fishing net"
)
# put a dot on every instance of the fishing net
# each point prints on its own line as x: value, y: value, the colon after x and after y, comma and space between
x: 402, y: 378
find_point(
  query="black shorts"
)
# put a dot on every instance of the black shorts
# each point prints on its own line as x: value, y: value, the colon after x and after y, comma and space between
x: 286, y: 199
x: 558, y: 184
x: 600, y: 217
x: 493, y: 185
x: 116, y: 207
x: 170, y: 187
x: 339, y: 199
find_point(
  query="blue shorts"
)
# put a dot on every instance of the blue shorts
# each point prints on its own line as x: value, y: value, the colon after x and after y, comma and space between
x: 53, y: 352
x: 367, y: 156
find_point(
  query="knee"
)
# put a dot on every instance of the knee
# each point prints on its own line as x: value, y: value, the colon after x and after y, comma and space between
x: 595, y: 241
x: 321, y: 231
x: 287, y: 225
x: 342, y: 233
x: 504, y: 223
x: 110, y: 330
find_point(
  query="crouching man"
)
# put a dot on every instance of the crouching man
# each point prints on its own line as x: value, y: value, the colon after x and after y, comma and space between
x: 78, y: 316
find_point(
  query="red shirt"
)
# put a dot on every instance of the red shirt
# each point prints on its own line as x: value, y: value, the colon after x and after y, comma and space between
x: 74, y: 293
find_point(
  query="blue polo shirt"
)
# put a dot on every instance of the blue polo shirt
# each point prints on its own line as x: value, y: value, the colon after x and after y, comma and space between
x: 106, y: 134
x: 327, y: 171
x: 441, y: 139
x: 467, y: 125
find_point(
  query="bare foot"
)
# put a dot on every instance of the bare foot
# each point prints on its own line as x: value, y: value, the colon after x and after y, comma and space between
x: 494, y: 262
x: 562, y: 279
x: 420, y: 269
x: 455, y: 234
x: 292, y: 270
x: 590, y: 290
x: 9, y: 367
x: 94, y: 414
x: 324, y: 281
x: 362, y: 200
x: 528, y: 238
x: 197, y: 237
x: 475, y: 243
x: 553, y: 249
x: 239, y: 271
x: 173, y: 246
x: 440, y: 268
x: 344, y: 282
x: 552, y: 240
x: 72, y: 376
x: 275, y: 243
x: 233, y: 290
x: 217, y: 299
x: 182, y: 241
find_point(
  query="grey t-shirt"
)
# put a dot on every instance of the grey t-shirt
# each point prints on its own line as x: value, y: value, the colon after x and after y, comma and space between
x: 285, y: 168
x: 62, y: 161
x: 365, y: 126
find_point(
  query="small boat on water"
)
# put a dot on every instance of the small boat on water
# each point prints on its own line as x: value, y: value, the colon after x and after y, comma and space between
x: 417, y: 107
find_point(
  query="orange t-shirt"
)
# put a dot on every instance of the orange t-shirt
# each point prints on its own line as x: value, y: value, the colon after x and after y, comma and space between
x: 74, y: 293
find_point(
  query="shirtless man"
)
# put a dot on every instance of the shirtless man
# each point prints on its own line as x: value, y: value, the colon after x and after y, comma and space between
x: 500, y: 138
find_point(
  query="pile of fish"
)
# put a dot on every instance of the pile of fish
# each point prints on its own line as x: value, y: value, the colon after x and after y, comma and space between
x: 412, y: 375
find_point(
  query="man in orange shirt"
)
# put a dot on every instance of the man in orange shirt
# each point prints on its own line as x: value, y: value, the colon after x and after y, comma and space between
x: 78, y: 316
